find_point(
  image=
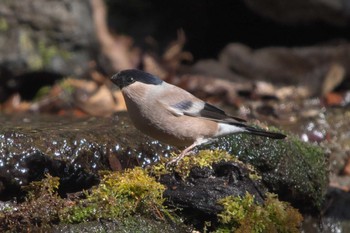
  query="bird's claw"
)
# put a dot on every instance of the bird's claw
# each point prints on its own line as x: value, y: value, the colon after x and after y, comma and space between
x: 174, y: 162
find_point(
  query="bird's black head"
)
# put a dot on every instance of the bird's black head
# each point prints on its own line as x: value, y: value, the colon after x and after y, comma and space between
x: 126, y: 77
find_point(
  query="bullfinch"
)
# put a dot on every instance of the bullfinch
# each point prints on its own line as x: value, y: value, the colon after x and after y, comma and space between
x: 174, y: 116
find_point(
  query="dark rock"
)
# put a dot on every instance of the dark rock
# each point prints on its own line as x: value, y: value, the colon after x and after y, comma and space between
x: 198, y: 194
x: 73, y: 149
x: 211, y: 67
x: 338, y: 204
x: 336, y: 12
x: 335, y: 215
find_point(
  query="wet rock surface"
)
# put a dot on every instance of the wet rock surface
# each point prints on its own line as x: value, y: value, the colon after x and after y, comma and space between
x: 335, y: 217
x: 75, y: 149
x: 71, y: 148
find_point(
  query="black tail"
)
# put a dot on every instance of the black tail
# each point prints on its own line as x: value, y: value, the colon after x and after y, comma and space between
x: 263, y: 133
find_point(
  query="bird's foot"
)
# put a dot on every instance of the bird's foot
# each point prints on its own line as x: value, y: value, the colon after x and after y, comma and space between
x: 175, y: 161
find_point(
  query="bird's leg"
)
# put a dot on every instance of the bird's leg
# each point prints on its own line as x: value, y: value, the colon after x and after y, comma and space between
x: 182, y: 155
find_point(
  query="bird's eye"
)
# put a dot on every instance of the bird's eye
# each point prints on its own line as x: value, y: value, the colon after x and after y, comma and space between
x: 130, y: 79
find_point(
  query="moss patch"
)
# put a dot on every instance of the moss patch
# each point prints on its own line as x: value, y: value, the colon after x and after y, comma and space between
x: 242, y: 214
x: 205, y: 158
x: 4, y: 26
x: 39, y: 211
x: 39, y: 52
x: 119, y: 195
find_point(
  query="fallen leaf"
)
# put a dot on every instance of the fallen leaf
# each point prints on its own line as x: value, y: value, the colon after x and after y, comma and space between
x: 333, y: 99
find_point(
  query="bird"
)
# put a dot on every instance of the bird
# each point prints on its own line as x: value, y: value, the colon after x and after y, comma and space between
x: 174, y: 116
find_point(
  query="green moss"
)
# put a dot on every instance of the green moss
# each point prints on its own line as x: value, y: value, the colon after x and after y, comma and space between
x: 49, y: 186
x: 3, y: 25
x: 120, y: 195
x: 39, y: 53
x: 205, y: 158
x: 67, y: 86
x: 27, y: 47
x: 42, y: 92
x: 288, y: 166
x: 47, y: 52
x: 242, y: 214
x: 40, y: 210
x: 132, y: 224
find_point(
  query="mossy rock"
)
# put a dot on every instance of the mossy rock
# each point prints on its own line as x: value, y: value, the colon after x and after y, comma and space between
x: 295, y: 170
x: 129, y: 201
x: 218, y: 192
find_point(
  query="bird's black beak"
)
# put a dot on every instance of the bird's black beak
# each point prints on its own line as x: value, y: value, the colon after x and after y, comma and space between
x: 118, y: 80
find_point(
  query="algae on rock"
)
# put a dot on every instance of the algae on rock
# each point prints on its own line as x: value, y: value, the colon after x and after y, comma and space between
x: 295, y: 170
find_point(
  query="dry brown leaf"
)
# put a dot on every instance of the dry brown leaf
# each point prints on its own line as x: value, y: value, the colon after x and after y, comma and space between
x: 333, y: 78
x: 15, y: 104
x: 333, y: 99
x: 153, y: 66
x: 94, y: 99
x: 346, y: 169
x: 174, y: 54
x: 118, y: 49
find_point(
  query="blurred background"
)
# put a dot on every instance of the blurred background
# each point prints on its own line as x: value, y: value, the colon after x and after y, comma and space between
x: 57, y: 56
